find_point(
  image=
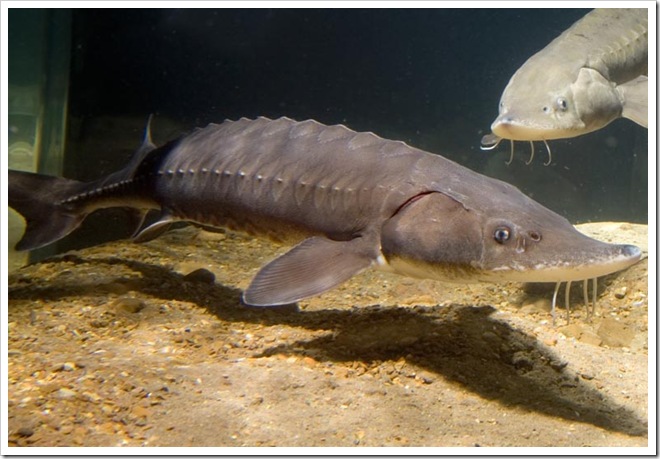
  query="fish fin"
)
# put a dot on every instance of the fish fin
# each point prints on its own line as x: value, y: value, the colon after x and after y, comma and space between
x: 154, y: 230
x: 137, y: 220
x: 38, y: 198
x: 636, y: 100
x: 315, y: 265
x: 145, y: 148
x: 147, y: 142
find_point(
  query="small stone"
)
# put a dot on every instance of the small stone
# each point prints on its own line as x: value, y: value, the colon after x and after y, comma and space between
x: 65, y: 394
x: 572, y: 331
x: 98, y: 323
x: 68, y: 366
x: 550, y: 341
x: 521, y: 361
x: 590, y: 337
x: 200, y: 275
x: 541, y: 305
x: 91, y: 396
x: 558, y: 365
x: 621, y: 293
x: 218, y: 235
x: 426, y: 378
x: 25, y: 432
x: 141, y: 422
x: 127, y: 304
x: 489, y: 336
x: 419, y: 299
x: 107, y: 409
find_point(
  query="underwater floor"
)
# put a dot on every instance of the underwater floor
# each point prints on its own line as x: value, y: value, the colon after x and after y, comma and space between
x: 129, y: 344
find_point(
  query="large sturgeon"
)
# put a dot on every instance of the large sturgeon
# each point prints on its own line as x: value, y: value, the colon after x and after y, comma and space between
x: 590, y: 75
x: 354, y: 199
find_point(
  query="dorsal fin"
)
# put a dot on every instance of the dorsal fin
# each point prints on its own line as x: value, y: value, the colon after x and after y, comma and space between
x: 146, y: 147
x: 147, y: 142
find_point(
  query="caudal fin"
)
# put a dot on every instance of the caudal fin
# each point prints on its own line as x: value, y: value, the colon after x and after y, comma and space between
x: 38, y: 199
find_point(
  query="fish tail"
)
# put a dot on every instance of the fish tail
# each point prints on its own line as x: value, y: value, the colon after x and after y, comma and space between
x: 40, y: 200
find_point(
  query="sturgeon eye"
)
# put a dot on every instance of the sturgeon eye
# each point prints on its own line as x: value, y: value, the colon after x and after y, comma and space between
x: 502, y: 234
x: 562, y: 104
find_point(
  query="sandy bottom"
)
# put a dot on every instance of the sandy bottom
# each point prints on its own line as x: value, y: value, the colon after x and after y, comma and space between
x: 127, y: 344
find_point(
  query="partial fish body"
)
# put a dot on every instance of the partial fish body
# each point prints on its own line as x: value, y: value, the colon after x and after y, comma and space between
x: 592, y: 74
x: 355, y: 200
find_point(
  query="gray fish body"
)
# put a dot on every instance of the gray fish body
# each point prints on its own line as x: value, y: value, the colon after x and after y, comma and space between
x: 285, y: 178
x: 590, y: 75
x: 354, y: 200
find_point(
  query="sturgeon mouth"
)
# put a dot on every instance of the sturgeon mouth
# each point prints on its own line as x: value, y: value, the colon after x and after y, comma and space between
x: 568, y: 270
x: 506, y: 127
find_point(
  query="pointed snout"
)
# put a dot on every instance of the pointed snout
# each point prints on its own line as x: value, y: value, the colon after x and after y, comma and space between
x: 576, y: 266
x: 631, y: 251
x: 507, y: 127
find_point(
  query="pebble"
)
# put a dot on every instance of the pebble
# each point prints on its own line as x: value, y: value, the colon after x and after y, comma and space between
x: 538, y: 306
x: 91, y: 396
x: 212, y: 235
x: 550, y: 341
x: 590, y: 337
x: 65, y: 394
x: 68, y: 366
x: 521, y: 361
x: 200, y: 275
x: 25, y: 431
x: 572, y: 330
x: 489, y: 336
x: 419, y: 299
x: 558, y: 365
x: 426, y: 378
x: 621, y: 293
x: 127, y: 304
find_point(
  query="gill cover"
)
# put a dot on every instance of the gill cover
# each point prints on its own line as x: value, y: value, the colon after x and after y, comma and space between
x: 432, y: 235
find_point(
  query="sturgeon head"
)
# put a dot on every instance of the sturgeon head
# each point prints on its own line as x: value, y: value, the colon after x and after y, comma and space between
x: 501, y: 236
x: 544, y: 103
x: 592, y: 74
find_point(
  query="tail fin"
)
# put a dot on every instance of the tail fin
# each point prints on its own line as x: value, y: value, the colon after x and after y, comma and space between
x: 38, y: 199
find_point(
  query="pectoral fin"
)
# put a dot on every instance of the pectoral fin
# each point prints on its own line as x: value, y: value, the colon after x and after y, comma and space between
x: 155, y: 229
x: 315, y: 265
x: 636, y: 100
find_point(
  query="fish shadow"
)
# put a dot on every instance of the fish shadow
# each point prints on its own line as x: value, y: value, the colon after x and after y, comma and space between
x: 463, y: 344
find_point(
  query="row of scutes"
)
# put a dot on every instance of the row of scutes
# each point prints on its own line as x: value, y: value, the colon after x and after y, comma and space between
x: 96, y: 192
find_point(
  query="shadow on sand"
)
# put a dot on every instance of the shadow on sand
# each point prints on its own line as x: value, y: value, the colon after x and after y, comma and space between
x: 460, y: 343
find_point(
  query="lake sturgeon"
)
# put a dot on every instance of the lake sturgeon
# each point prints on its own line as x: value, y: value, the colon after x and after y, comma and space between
x: 593, y: 73
x: 351, y: 200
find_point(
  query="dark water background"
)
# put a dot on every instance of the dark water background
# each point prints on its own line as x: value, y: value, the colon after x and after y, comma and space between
x: 430, y: 77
